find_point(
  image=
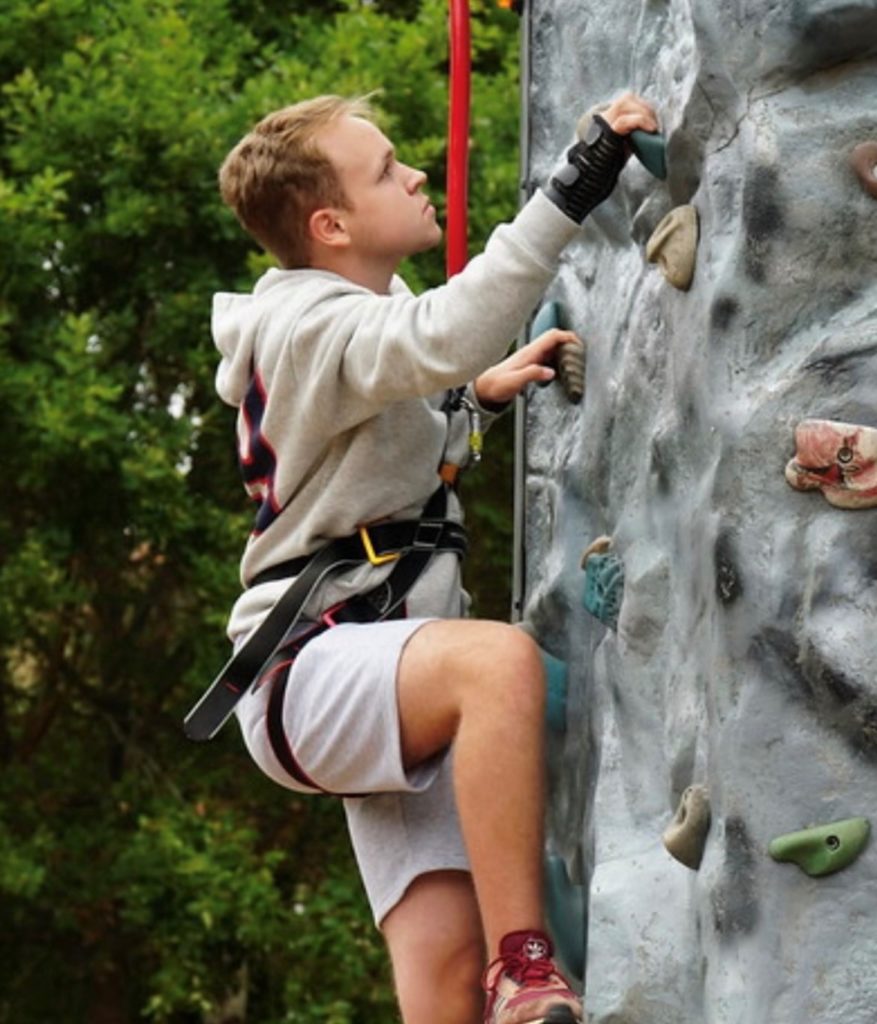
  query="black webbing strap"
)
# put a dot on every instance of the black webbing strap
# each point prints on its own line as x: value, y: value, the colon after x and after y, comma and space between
x: 384, y: 540
x: 428, y: 535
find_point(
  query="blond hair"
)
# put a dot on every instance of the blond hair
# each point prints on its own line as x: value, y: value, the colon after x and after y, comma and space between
x: 277, y: 176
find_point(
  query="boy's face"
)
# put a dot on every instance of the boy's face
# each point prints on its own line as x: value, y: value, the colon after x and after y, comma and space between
x: 390, y: 218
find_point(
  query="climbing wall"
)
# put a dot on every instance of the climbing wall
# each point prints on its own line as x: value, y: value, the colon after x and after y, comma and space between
x: 713, y: 713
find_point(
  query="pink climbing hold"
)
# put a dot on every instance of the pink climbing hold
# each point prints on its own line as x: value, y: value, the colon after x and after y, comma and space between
x: 839, y: 459
x: 863, y: 160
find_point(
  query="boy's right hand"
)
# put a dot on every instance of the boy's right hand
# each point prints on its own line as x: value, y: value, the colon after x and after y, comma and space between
x: 529, y: 364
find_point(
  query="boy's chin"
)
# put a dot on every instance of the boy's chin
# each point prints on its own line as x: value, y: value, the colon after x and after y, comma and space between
x: 426, y: 246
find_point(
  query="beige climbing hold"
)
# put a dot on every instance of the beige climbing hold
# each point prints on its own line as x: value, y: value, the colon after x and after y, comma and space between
x: 673, y: 246
x: 685, y: 836
x: 597, y: 547
x: 571, y: 370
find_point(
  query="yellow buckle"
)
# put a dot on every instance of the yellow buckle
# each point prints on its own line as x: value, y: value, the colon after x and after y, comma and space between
x: 370, y: 553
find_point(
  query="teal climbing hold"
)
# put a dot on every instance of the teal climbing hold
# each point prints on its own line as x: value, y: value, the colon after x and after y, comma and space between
x: 556, y: 690
x: 824, y: 849
x: 650, y: 149
x: 565, y: 915
x: 550, y: 315
x: 604, y: 587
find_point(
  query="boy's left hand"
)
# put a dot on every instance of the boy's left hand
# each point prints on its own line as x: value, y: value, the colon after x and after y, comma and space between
x: 629, y: 112
x: 501, y: 383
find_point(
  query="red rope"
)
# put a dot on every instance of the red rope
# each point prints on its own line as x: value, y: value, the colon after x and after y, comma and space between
x: 457, y: 245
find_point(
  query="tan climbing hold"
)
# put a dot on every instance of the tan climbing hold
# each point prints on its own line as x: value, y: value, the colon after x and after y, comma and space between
x: 673, y: 246
x: 685, y: 836
x: 863, y: 160
x: 597, y: 547
x: 571, y: 370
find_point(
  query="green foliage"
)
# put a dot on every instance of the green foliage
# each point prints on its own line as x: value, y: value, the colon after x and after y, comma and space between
x: 142, y: 877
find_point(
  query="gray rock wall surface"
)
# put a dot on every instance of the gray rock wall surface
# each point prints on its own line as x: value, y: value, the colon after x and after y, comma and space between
x: 745, y: 650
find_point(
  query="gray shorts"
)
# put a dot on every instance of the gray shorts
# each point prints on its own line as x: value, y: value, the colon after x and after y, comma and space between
x: 342, y: 721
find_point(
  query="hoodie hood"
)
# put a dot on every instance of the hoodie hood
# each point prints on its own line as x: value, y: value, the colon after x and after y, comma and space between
x: 235, y: 327
x: 239, y: 320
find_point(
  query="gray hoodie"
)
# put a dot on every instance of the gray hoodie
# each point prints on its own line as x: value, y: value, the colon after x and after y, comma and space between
x: 339, y: 392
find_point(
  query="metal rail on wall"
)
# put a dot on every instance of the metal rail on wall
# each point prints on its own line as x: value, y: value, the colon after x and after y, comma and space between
x: 457, y: 242
x: 519, y: 559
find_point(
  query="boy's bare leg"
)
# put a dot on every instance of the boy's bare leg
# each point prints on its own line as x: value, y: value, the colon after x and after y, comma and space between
x: 437, y: 948
x: 480, y: 684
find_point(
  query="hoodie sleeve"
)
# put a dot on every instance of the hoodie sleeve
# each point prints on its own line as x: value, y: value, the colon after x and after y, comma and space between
x: 361, y: 351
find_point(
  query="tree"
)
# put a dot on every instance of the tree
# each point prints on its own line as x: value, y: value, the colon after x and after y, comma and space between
x: 140, y: 875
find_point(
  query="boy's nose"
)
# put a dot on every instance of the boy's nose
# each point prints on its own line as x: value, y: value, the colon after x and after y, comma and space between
x: 415, y: 179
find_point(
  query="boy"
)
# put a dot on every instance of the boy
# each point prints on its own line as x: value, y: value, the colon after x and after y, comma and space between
x: 352, y: 414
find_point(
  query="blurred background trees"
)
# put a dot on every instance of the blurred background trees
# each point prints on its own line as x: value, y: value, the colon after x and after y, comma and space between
x: 142, y: 877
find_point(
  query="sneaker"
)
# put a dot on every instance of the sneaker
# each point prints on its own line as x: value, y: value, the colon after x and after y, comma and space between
x: 524, y: 987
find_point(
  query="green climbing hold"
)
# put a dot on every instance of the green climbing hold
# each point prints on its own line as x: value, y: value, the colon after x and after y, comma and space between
x: 824, y: 849
x: 651, y: 150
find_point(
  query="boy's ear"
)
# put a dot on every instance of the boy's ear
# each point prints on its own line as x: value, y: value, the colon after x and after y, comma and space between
x: 327, y: 227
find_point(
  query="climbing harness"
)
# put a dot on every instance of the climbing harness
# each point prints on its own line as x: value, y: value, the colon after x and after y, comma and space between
x: 267, y: 655
x: 410, y: 544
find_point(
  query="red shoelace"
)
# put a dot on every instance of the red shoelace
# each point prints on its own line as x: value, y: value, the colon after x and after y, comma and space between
x: 522, y: 969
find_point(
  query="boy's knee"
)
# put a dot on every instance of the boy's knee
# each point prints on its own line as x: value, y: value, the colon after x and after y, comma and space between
x: 518, y: 651
x: 510, y: 661
x: 492, y: 660
x: 498, y: 642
